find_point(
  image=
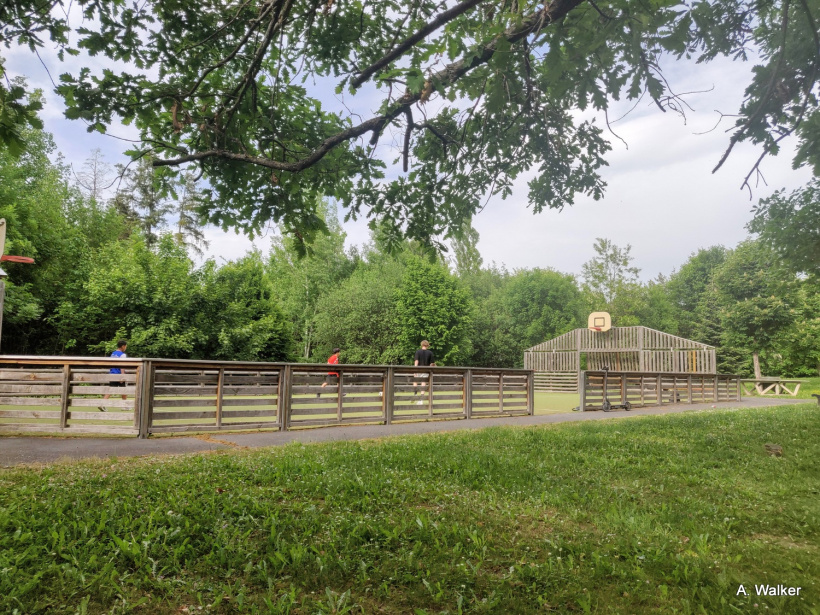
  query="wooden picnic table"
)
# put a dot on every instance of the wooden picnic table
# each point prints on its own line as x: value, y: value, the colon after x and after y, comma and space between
x: 770, y: 386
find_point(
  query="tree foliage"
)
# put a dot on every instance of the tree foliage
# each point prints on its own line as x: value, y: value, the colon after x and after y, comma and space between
x: 790, y: 224
x: 473, y: 94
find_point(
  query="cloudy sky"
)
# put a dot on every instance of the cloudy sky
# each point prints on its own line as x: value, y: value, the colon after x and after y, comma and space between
x: 662, y: 198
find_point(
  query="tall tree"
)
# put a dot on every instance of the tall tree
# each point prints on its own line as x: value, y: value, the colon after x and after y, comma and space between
x: 231, y: 89
x: 188, y: 208
x: 611, y: 281
x: 145, y: 196
x: 432, y: 305
x: 687, y: 285
x: 790, y: 224
x: 757, y: 299
x: 300, y: 281
x: 95, y: 176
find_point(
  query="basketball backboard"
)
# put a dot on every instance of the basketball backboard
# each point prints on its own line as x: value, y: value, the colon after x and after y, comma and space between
x: 599, y: 321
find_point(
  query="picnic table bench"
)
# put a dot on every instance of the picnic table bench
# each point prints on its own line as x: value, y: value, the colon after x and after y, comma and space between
x: 770, y: 386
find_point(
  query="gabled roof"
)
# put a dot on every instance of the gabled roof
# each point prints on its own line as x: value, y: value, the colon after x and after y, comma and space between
x: 617, y: 338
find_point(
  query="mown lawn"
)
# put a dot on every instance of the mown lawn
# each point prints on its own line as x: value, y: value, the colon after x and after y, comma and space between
x: 642, y: 515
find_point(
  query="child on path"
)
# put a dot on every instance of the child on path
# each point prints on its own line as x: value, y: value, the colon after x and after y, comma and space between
x: 119, y: 353
x: 329, y: 379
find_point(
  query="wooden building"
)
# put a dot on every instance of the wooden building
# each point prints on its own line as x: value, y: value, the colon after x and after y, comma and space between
x: 558, y: 363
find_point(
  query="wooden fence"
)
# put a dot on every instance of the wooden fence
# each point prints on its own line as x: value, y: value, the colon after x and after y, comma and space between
x: 655, y: 389
x: 57, y: 394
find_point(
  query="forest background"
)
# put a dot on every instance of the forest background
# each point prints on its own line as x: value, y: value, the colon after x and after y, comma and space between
x: 125, y: 267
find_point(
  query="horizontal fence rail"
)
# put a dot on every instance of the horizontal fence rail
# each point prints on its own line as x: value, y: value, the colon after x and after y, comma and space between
x: 655, y: 389
x: 166, y: 396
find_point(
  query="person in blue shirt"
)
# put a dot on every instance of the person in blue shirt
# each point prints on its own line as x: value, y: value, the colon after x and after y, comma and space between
x: 119, y: 353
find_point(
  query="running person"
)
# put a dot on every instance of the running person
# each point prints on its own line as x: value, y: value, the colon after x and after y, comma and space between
x: 332, y: 377
x: 119, y: 353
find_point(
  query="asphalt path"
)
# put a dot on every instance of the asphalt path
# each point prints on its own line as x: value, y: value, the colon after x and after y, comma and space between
x: 16, y: 450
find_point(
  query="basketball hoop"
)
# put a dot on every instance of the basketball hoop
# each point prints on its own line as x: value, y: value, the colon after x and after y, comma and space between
x: 599, y: 322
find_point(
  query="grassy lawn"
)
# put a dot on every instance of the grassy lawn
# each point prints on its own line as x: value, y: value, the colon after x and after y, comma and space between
x: 646, y: 515
x: 553, y: 403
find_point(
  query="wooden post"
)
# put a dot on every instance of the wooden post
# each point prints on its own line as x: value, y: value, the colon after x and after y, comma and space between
x: 387, y: 395
x: 430, y: 394
x: 715, y: 395
x: 64, y: 396
x: 641, y: 365
x: 658, y: 390
x: 339, y: 389
x: 501, y: 391
x: 286, y: 380
x: 138, y: 377
x: 578, y: 357
x: 582, y: 385
x: 689, y: 387
x: 280, y: 399
x: 147, y: 399
x: 531, y: 393
x: 467, y: 394
x: 220, y: 382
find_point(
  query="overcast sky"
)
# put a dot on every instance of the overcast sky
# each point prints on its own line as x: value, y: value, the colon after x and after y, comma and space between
x: 662, y: 197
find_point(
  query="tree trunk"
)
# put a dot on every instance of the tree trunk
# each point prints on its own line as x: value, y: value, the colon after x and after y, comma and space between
x: 758, y: 375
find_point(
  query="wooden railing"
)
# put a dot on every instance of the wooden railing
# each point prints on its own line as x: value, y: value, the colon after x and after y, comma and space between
x: 165, y: 396
x: 655, y: 389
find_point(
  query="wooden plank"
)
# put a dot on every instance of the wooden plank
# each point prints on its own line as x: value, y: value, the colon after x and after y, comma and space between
x: 19, y: 375
x: 255, y: 401
x: 30, y: 414
x: 79, y: 378
x: 183, y: 403
x: 54, y: 428
x: 102, y: 390
x: 29, y: 401
x: 206, y: 428
x: 167, y: 377
x: 101, y: 416
x: 30, y: 389
x: 82, y: 402
x: 229, y: 414
x: 180, y: 416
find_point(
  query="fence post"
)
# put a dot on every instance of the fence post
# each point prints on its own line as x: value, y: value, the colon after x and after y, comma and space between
x: 500, y: 392
x: 64, y: 390
x: 146, y: 398
x: 689, y: 388
x: 531, y: 393
x: 387, y: 395
x: 285, y: 382
x: 582, y: 386
x: 659, y: 390
x: 716, y: 389
x: 220, y: 383
x: 430, y: 394
x: 339, y: 390
x: 468, y: 394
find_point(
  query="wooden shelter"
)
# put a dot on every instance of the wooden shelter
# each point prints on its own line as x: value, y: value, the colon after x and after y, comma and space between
x: 558, y: 362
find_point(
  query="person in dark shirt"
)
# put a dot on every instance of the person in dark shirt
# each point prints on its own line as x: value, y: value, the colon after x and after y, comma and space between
x: 423, y: 358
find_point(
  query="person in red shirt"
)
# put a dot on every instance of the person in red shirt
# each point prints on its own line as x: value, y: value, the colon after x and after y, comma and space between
x: 332, y: 377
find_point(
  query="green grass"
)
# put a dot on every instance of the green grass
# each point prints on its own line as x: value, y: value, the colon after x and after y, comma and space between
x: 553, y: 403
x: 644, y: 515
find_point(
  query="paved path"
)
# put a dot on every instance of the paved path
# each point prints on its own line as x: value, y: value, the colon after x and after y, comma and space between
x: 37, y: 449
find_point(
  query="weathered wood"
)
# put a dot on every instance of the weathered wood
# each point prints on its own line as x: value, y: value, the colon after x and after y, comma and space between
x: 94, y: 402
x: 30, y: 389
x: 30, y: 414
x: 79, y: 378
x: 64, y: 390
x: 29, y: 401
x: 187, y: 415
x: 100, y: 416
x: 220, y: 393
x: 81, y: 428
